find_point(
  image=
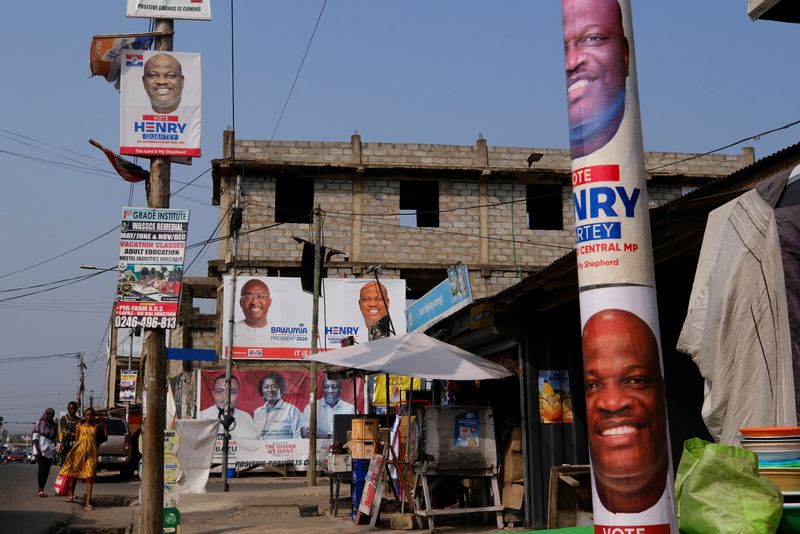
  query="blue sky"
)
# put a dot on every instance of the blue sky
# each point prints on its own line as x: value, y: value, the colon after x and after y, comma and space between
x: 413, y: 71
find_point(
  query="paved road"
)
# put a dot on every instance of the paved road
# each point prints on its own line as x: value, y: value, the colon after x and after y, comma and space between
x: 22, y: 512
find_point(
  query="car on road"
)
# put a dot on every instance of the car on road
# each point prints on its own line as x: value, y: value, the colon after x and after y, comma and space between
x: 15, y: 455
x: 30, y: 456
x: 116, y: 454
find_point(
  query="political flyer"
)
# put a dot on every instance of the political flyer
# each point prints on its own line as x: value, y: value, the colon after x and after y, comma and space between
x: 169, y: 9
x: 555, y: 399
x: 272, y: 413
x: 273, y: 315
x: 160, y: 103
x: 152, y: 247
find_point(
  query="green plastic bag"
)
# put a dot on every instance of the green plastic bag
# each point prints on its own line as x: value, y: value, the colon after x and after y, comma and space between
x: 718, y: 490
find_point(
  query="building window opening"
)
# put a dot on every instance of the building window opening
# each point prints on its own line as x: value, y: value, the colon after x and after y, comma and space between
x: 419, y: 203
x: 294, y: 200
x: 544, y: 205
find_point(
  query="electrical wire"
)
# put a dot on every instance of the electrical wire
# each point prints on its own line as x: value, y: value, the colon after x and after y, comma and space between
x: 300, y: 68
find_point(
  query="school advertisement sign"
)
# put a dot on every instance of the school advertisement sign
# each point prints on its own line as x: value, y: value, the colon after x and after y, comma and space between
x: 151, y: 252
x: 273, y: 315
x: 169, y: 9
x: 272, y: 413
x: 160, y: 109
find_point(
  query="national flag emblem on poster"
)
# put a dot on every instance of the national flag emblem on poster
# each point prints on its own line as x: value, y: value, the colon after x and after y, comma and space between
x: 152, y: 246
x: 160, y: 103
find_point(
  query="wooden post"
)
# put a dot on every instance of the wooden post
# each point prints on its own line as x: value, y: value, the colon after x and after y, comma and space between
x: 312, y: 438
x: 154, y: 355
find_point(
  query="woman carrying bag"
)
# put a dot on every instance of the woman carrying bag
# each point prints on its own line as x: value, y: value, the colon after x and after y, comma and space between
x: 68, y: 425
x: 81, y: 462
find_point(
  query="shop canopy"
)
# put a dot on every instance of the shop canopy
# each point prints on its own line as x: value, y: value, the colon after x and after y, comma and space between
x: 414, y: 354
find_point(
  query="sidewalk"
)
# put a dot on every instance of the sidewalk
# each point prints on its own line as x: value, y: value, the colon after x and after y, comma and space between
x: 255, y: 504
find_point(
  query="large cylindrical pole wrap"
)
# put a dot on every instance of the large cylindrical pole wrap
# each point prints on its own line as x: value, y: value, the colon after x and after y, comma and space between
x: 623, y: 373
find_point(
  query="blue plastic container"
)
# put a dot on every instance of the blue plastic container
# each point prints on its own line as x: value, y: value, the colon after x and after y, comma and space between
x: 360, y: 468
x: 231, y: 472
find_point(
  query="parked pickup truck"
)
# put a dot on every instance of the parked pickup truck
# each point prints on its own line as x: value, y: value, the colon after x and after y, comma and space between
x: 116, y: 453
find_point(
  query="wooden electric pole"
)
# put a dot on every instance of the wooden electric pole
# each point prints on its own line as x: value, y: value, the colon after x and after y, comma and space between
x: 154, y: 353
x: 312, y: 438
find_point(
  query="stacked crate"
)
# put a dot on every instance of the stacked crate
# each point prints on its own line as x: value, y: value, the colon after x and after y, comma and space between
x: 362, y: 442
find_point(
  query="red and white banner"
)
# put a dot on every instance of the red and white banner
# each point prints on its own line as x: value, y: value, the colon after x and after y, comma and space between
x: 273, y: 315
x: 272, y: 413
x: 160, y: 103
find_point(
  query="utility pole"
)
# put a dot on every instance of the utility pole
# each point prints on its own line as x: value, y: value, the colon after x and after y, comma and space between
x: 235, y: 225
x: 130, y: 362
x: 312, y: 438
x: 79, y: 396
x: 154, y: 353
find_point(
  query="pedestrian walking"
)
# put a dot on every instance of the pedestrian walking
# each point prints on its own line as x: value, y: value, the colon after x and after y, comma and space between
x: 45, y: 433
x: 68, y: 425
x: 81, y: 462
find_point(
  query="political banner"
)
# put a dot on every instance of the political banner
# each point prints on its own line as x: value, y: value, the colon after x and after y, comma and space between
x: 273, y: 315
x: 160, y: 103
x: 169, y: 9
x: 632, y: 488
x: 106, y: 51
x: 272, y: 413
x: 152, y: 246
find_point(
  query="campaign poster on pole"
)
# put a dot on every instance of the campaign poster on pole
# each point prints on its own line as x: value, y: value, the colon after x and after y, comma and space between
x: 632, y: 485
x: 127, y: 385
x: 273, y: 315
x: 152, y: 247
x: 169, y: 9
x: 160, y: 103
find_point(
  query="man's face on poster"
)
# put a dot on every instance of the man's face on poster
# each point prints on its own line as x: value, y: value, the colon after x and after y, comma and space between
x: 270, y: 391
x: 255, y: 302
x: 163, y: 82
x: 596, y: 56
x: 372, y: 304
x: 626, y: 415
x: 219, y: 392
x: 331, y: 390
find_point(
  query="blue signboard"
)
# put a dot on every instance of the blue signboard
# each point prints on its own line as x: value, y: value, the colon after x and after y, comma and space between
x: 441, y: 301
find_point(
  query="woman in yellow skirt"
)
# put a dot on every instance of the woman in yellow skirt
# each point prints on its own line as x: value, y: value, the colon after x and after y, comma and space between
x: 81, y: 462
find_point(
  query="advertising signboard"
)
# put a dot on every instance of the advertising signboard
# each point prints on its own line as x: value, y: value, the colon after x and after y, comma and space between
x: 169, y: 9
x: 272, y: 412
x: 160, y: 103
x: 443, y: 300
x: 273, y: 315
x: 152, y: 246
x: 127, y: 385
x: 624, y: 384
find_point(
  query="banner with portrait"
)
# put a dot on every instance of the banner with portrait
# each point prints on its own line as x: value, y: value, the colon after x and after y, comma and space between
x: 623, y: 377
x: 273, y: 315
x: 160, y: 103
x: 272, y: 413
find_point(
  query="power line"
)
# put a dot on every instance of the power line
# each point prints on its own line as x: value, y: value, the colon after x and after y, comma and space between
x: 297, y: 74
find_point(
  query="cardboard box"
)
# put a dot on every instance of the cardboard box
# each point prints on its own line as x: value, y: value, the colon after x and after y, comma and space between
x: 513, y: 468
x: 340, y: 463
x: 364, y: 429
x: 513, y: 495
x: 361, y: 449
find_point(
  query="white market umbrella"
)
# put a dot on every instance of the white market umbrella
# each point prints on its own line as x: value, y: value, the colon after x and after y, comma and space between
x: 414, y: 354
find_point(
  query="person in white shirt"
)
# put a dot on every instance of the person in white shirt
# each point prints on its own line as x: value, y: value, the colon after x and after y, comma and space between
x: 329, y: 405
x: 244, y: 427
x: 255, y: 301
x: 277, y: 419
x: 45, y: 433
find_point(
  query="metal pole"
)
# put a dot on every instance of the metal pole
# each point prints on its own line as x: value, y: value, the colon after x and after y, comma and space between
x: 312, y: 438
x: 130, y: 362
x: 236, y: 221
x: 154, y: 353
